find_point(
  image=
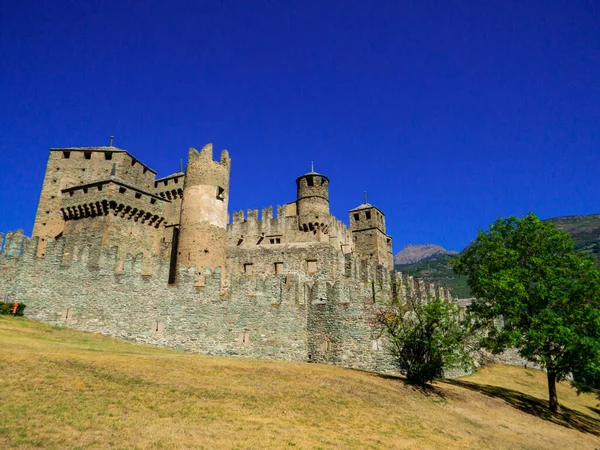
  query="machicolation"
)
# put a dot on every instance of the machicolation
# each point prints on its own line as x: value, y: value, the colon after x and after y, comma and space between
x: 160, y: 261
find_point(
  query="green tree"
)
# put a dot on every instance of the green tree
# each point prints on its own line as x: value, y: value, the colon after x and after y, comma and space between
x: 527, y: 273
x: 427, y: 338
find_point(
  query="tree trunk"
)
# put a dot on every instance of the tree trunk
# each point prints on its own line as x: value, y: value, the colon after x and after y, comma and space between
x: 552, y: 397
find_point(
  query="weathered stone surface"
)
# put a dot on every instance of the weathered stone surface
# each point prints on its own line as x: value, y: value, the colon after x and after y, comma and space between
x: 118, y: 252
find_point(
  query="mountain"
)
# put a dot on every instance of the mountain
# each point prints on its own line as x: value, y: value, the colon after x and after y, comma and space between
x: 585, y: 231
x: 412, y: 254
x: 435, y: 267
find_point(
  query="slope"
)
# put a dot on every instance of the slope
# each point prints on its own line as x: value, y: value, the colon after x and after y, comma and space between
x: 66, y: 389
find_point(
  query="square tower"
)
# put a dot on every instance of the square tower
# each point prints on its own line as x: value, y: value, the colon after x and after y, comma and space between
x: 371, y: 243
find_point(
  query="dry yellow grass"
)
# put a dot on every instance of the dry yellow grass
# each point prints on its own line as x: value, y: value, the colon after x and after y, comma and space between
x: 65, y: 389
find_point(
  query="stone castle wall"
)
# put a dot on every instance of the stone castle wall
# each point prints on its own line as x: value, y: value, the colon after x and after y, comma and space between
x: 322, y: 316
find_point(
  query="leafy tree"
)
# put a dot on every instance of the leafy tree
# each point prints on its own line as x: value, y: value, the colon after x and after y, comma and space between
x: 527, y: 273
x: 426, y: 338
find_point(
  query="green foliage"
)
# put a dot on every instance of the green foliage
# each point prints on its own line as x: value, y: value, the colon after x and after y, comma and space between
x: 438, y: 270
x: 7, y: 308
x: 427, y: 338
x: 527, y: 273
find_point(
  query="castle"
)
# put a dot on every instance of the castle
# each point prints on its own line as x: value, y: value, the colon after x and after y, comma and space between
x: 159, y: 261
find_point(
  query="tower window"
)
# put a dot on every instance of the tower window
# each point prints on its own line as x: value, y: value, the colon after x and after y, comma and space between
x: 138, y: 195
x: 357, y: 216
x: 87, y: 155
x: 248, y: 268
x: 310, y: 181
x: 368, y: 215
x: 122, y: 190
x: 107, y: 156
x: 220, y: 193
x: 66, y: 155
x: 278, y: 268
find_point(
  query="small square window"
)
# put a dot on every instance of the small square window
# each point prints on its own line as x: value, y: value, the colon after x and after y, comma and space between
x: 357, y: 216
x: 107, y: 156
x: 153, y: 201
x: 368, y: 215
x: 122, y: 190
x: 66, y: 155
x: 138, y: 195
x: 87, y: 155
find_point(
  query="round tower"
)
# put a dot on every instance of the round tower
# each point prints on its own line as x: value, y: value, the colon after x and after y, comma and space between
x: 312, y: 201
x: 203, y: 220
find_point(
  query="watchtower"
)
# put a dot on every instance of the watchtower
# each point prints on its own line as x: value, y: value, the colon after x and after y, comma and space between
x: 312, y: 202
x: 371, y: 242
x: 203, y: 222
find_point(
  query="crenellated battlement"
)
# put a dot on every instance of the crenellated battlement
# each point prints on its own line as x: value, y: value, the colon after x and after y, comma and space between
x: 159, y: 261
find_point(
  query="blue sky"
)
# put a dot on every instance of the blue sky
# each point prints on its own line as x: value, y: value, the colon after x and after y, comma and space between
x: 449, y: 114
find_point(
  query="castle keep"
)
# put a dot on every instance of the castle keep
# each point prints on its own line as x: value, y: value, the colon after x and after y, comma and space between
x: 160, y: 261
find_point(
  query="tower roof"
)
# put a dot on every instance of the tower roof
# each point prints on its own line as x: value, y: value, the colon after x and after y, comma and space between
x: 366, y: 206
x: 312, y: 173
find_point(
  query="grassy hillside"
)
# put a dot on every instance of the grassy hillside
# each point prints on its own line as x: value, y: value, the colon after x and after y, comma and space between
x: 67, y: 389
x: 438, y: 270
x: 585, y: 231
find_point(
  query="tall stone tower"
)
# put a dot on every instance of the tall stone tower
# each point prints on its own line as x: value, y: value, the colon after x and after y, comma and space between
x: 312, y: 202
x: 371, y: 243
x: 203, y: 223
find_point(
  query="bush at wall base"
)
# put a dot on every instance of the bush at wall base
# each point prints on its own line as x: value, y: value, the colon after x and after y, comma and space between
x: 7, y: 308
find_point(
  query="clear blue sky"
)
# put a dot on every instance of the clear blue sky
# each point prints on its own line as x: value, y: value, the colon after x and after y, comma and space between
x: 449, y: 114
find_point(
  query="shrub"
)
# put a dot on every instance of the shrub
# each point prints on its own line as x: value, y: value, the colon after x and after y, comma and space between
x: 7, y: 308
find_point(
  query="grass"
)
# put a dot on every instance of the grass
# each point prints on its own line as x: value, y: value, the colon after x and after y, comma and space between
x: 66, y: 389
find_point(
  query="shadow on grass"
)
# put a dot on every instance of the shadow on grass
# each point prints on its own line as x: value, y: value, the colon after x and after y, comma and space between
x: 531, y: 405
x: 429, y: 390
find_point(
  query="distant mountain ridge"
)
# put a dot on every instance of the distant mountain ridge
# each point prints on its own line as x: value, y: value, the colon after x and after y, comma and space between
x: 434, y: 263
x: 412, y: 254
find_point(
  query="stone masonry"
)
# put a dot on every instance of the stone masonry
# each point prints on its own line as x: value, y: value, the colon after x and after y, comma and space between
x: 158, y: 261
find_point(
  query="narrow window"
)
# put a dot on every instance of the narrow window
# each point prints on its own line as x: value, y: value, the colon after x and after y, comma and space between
x: 132, y: 162
x: 220, y: 193
x: 138, y: 195
x: 244, y: 337
x: 277, y: 240
x: 99, y: 187
x: 368, y: 215
x: 107, y: 156
x: 87, y: 155
x: 278, y: 268
x: 357, y: 216
x: 176, y: 180
x: 248, y: 268
x: 271, y: 241
x: 85, y: 190
x: 377, y: 345
x: 310, y: 181
x: 66, y: 155
x: 122, y: 190
x: 153, y: 201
